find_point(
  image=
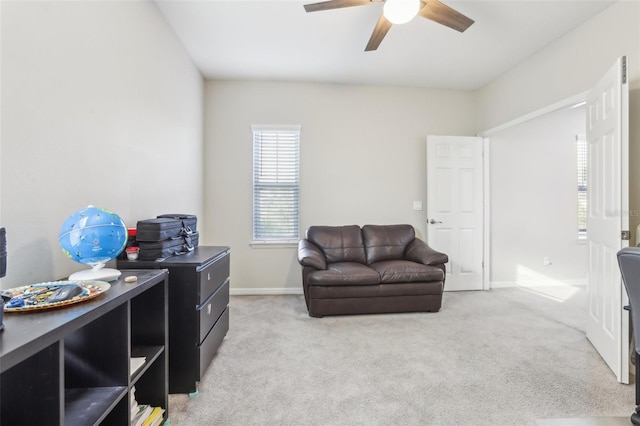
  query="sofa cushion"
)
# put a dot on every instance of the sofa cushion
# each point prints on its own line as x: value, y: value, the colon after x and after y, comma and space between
x: 338, y: 243
x: 344, y: 273
x: 405, y: 271
x: 386, y: 242
x: 356, y: 292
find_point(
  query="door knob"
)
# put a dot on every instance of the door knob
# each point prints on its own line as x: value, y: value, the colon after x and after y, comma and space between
x: 433, y: 222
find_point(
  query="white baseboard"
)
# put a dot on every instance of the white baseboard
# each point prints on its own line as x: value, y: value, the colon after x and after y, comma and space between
x: 537, y: 283
x: 264, y: 291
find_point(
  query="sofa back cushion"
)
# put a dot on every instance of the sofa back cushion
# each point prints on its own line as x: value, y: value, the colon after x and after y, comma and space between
x: 386, y: 242
x: 338, y: 243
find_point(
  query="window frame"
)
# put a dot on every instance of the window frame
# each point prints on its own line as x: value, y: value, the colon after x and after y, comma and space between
x: 280, y: 179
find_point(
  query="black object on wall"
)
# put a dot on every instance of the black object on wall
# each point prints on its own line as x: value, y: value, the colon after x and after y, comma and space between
x: 3, y: 252
x: 3, y: 269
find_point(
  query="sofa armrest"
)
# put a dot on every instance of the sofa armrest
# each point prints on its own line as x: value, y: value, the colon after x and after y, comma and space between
x: 419, y: 251
x: 310, y: 255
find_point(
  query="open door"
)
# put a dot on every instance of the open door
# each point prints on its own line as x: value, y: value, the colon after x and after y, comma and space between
x: 608, y: 217
x: 455, y: 203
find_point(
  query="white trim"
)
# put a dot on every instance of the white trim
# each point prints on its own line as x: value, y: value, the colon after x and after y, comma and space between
x: 574, y: 100
x: 538, y: 283
x: 271, y: 127
x: 486, y: 257
x: 274, y: 244
x: 265, y: 291
x: 276, y: 170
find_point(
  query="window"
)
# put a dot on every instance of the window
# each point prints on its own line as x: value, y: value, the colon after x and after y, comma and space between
x: 581, y: 156
x: 276, y: 183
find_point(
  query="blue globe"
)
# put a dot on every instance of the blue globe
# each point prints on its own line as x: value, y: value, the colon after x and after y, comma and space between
x: 93, y: 236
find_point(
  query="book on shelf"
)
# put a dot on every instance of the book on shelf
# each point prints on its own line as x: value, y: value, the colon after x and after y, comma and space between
x: 136, y: 363
x: 157, y: 422
x: 155, y: 418
x: 144, y: 411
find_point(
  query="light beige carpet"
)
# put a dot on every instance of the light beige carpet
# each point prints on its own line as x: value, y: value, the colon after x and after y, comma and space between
x: 503, y: 357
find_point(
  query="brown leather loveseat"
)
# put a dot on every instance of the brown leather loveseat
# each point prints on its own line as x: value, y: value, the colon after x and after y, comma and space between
x: 373, y: 269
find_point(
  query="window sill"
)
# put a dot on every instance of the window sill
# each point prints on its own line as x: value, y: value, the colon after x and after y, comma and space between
x: 274, y: 244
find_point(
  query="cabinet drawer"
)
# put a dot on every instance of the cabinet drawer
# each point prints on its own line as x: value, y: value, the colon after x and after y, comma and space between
x: 207, y: 349
x: 212, y: 276
x: 211, y: 310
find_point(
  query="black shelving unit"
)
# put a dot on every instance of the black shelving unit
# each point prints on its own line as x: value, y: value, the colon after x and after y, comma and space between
x: 70, y: 365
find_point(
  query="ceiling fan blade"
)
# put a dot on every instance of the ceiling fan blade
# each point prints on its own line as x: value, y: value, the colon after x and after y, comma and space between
x: 380, y: 30
x: 443, y: 14
x: 336, y: 4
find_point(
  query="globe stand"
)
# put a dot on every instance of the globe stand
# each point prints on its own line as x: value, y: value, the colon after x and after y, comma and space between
x: 97, y: 273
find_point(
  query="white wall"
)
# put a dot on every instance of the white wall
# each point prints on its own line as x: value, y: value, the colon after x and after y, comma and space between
x: 566, y: 67
x: 99, y: 100
x: 100, y: 105
x: 533, y: 202
x: 363, y: 160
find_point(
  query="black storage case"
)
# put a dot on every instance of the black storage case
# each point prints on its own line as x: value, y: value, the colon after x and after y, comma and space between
x: 189, y: 221
x: 159, y: 229
x: 152, y: 250
x: 167, y: 235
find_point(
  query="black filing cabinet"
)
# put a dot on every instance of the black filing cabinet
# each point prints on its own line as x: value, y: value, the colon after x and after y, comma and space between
x: 198, y: 310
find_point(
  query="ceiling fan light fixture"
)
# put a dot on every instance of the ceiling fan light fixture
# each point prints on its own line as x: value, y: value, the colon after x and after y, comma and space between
x: 400, y: 11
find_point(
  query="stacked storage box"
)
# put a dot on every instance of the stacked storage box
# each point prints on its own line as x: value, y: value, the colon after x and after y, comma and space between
x: 167, y: 235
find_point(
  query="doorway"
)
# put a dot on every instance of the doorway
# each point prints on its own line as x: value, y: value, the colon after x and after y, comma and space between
x: 535, y: 238
x: 607, y: 131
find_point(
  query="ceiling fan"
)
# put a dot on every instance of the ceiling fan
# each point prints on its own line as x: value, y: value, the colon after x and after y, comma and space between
x: 399, y: 12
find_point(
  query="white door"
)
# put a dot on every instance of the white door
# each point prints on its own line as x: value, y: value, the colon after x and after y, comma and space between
x: 608, y: 216
x: 455, y: 207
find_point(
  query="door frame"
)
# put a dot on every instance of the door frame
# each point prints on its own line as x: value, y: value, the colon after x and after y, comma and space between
x: 486, y: 252
x: 571, y: 101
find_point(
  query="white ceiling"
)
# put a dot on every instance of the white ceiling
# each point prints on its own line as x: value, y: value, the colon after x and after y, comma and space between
x: 278, y: 40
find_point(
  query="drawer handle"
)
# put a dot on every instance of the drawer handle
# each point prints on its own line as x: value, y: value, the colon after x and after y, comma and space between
x: 208, y: 276
x: 209, y: 309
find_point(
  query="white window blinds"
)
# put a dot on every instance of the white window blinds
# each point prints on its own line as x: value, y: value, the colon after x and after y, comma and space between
x: 276, y: 183
x: 581, y: 157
